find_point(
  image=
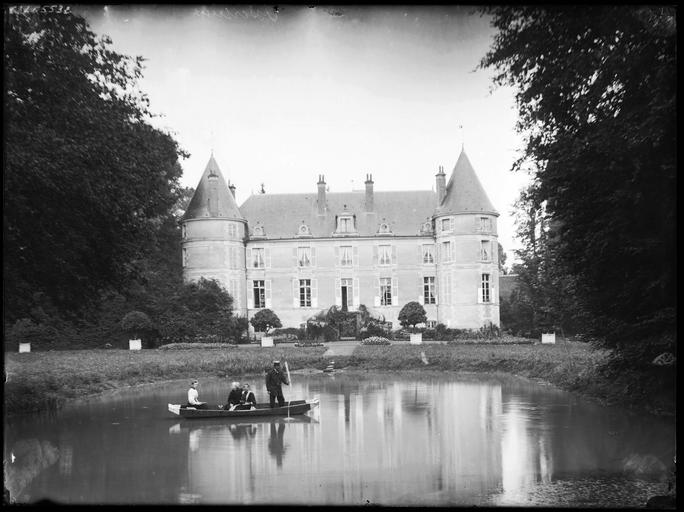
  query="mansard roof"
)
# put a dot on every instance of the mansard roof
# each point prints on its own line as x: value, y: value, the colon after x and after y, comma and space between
x: 464, y: 192
x: 282, y: 214
x: 199, y: 204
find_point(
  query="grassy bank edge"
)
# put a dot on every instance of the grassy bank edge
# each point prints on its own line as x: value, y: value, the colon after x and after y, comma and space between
x: 42, y: 382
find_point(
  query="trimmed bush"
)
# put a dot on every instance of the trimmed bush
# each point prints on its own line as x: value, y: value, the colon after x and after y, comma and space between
x: 376, y: 340
x: 265, y: 319
x: 411, y: 314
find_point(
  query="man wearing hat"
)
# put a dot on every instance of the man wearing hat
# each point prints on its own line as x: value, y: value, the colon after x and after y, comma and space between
x: 274, y: 379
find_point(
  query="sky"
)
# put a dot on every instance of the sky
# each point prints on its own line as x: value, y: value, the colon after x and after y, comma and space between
x: 283, y: 96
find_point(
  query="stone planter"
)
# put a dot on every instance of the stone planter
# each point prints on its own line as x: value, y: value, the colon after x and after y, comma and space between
x: 267, y: 341
x: 134, y: 345
x: 548, y: 338
x: 416, y: 338
x: 24, y: 347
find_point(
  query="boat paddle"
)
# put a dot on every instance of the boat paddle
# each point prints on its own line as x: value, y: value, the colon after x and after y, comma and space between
x: 289, y: 381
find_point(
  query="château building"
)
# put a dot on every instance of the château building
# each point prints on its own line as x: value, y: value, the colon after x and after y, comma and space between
x: 298, y: 254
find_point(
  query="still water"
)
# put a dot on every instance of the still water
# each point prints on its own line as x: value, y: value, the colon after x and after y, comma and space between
x: 390, y: 439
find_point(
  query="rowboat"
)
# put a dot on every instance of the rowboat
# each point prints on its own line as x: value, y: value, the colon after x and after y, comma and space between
x: 291, y: 408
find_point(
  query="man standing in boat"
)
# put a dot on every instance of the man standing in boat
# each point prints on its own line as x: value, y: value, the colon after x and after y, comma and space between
x: 274, y: 379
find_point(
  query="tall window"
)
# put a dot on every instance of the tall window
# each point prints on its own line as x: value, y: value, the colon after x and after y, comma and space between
x: 429, y: 290
x: 183, y: 231
x: 304, y: 256
x: 446, y: 289
x: 346, y: 256
x: 185, y: 257
x: 346, y: 292
x: 485, y: 224
x: 385, y: 254
x: 385, y: 291
x: 446, y: 251
x: 258, y: 258
x: 345, y: 224
x: 305, y: 293
x: 428, y: 253
x: 446, y: 224
x: 232, y: 231
x: 485, y: 288
x: 485, y: 250
x: 259, y: 294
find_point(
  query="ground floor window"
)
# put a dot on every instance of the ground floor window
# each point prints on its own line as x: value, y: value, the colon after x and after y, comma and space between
x: 385, y: 291
x: 485, y: 288
x: 429, y: 290
x: 305, y: 293
x: 259, y: 294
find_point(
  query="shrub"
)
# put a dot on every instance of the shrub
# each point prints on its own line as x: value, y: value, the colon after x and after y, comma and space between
x: 411, y: 314
x: 374, y: 329
x: 136, y: 324
x: 376, y: 340
x: 265, y: 319
x: 25, y: 330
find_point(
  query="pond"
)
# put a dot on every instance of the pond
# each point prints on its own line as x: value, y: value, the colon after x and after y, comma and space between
x: 389, y: 439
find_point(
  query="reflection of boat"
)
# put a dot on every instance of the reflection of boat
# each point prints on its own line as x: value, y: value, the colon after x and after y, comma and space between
x: 212, y: 423
x: 293, y: 408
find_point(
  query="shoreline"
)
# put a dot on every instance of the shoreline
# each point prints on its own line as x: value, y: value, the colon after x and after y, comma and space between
x: 50, y: 380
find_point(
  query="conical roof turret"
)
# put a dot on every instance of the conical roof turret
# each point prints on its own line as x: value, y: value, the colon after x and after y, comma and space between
x: 464, y: 192
x: 212, y: 197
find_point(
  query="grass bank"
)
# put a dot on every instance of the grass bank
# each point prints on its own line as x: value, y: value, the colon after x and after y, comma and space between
x: 40, y: 380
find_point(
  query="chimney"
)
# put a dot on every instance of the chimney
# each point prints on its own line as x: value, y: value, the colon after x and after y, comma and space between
x: 369, y: 192
x: 213, y: 194
x: 321, y: 194
x: 441, y: 185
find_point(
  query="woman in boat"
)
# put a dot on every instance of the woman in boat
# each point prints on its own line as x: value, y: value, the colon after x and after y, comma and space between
x: 234, y: 397
x: 193, y: 396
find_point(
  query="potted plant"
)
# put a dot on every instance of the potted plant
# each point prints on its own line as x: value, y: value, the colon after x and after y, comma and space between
x: 264, y: 320
x: 411, y: 314
x: 135, y: 324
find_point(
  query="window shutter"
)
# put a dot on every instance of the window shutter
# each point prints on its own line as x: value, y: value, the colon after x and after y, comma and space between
x: 376, y: 299
x: 267, y: 257
x: 295, y: 260
x: 357, y: 302
x: 337, y: 255
x: 492, y: 295
x: 420, y: 254
x: 394, y: 255
x: 395, y: 291
x: 355, y: 256
x: 313, y: 256
x: 267, y: 284
x: 421, y: 298
x: 314, y: 293
x: 477, y: 224
x: 375, y: 255
x: 479, y: 295
x: 250, y: 297
x: 250, y: 260
x: 338, y: 292
x: 295, y: 293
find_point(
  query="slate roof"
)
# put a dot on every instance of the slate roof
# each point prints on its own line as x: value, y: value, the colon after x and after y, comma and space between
x: 198, y: 207
x: 464, y: 192
x: 281, y: 215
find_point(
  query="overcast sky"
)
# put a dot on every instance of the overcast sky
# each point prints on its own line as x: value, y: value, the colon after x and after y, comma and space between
x: 284, y: 96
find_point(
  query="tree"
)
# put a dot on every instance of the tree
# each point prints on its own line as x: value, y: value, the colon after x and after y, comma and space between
x: 88, y: 181
x: 135, y: 323
x: 596, y: 95
x: 264, y: 320
x: 502, y: 259
x: 411, y: 314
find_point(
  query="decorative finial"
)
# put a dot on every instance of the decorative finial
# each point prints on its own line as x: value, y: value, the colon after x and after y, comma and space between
x: 460, y: 126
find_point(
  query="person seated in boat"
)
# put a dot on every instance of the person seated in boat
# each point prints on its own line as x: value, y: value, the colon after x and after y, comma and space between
x: 274, y: 379
x: 193, y: 396
x: 234, y: 396
x: 248, y: 400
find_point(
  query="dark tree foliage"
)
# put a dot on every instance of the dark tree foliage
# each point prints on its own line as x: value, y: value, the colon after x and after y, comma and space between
x: 596, y: 98
x: 87, y: 181
x: 265, y: 319
x: 411, y: 314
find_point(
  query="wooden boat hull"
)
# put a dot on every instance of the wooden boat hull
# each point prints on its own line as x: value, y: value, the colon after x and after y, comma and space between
x: 292, y: 408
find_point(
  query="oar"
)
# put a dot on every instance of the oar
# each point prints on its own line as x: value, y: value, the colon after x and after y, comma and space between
x: 289, y: 381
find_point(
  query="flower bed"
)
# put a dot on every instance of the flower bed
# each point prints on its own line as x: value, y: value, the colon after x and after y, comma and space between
x: 188, y: 346
x: 308, y: 344
x: 375, y: 340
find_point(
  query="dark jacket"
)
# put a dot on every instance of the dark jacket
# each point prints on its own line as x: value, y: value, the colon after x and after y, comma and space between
x: 248, y: 397
x: 235, y: 396
x: 274, y: 379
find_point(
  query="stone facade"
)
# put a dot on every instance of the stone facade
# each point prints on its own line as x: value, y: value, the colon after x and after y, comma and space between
x: 298, y: 254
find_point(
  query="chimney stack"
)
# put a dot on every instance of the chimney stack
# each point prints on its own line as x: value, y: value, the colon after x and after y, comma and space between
x: 321, y: 194
x: 369, y: 192
x: 441, y: 185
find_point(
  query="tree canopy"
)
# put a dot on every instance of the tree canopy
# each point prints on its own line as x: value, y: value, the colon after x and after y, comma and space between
x: 596, y: 94
x: 88, y: 181
x: 411, y: 314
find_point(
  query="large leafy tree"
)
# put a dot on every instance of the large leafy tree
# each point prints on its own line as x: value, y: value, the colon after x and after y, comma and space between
x: 595, y: 90
x: 88, y: 181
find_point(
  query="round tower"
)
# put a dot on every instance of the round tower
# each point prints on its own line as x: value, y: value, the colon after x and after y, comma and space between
x: 213, y: 236
x: 467, y: 251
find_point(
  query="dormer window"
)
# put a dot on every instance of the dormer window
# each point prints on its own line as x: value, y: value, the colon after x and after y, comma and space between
x: 258, y: 231
x: 384, y: 229
x: 303, y: 230
x: 346, y: 223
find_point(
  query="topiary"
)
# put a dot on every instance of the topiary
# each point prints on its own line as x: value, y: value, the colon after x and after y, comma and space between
x: 136, y: 324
